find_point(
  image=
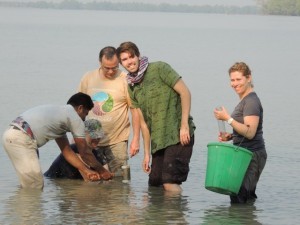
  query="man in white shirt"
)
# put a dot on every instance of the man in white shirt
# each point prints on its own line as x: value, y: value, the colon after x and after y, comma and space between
x: 36, y: 126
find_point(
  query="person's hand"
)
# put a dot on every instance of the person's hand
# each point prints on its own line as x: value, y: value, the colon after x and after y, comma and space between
x: 90, y: 175
x: 221, y: 114
x: 185, y: 135
x: 145, y: 164
x: 106, y: 175
x: 94, y: 176
x: 134, y: 148
x: 224, y: 136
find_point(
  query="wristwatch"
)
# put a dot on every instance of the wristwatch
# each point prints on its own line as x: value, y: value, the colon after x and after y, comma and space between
x: 230, y: 121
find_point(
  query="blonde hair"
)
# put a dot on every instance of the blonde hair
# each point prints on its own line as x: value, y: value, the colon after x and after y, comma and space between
x: 243, y: 68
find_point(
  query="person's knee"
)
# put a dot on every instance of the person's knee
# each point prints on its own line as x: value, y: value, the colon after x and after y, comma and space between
x: 172, y: 187
x: 33, y: 181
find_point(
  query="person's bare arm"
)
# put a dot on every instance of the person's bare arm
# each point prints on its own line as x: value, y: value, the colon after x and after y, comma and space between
x: 89, y: 158
x: 135, y: 143
x: 185, y: 97
x: 72, y: 158
x: 247, y: 129
x: 147, y: 143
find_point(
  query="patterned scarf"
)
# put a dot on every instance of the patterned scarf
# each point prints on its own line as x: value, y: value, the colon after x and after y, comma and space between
x: 135, y: 78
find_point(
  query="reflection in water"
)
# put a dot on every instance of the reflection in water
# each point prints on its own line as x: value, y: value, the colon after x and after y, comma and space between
x: 94, y: 203
x: 236, y: 214
x: 164, y: 207
x: 116, y: 203
x: 66, y: 201
x: 24, y: 207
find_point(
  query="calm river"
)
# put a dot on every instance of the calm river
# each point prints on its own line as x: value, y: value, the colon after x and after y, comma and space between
x: 43, y: 55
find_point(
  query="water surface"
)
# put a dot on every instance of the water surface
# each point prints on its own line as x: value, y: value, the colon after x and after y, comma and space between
x: 44, y: 53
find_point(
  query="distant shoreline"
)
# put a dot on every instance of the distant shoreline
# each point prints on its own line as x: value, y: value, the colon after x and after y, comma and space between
x: 139, y: 7
x: 266, y: 7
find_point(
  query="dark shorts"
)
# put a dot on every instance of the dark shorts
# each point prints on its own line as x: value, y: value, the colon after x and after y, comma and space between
x: 171, y: 165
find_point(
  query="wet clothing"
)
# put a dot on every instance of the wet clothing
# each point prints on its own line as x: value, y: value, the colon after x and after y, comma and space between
x: 32, y: 130
x: 116, y: 156
x: 61, y: 168
x: 248, y: 106
x: 164, y: 162
x: 23, y: 153
x: 248, y: 187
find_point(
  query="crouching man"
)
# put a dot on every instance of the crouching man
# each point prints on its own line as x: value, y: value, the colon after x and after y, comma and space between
x: 38, y: 125
x: 61, y: 168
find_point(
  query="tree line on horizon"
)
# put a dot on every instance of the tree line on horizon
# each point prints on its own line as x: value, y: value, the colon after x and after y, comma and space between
x: 280, y: 7
x: 267, y: 7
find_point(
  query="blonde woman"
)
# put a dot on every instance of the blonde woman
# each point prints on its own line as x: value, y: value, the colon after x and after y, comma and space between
x: 247, y: 122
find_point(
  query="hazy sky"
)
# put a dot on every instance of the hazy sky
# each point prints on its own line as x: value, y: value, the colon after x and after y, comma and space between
x: 190, y: 2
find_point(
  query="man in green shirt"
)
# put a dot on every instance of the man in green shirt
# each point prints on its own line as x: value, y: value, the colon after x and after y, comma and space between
x: 164, y: 102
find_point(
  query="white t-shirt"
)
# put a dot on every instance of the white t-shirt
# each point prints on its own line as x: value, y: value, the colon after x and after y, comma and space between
x: 49, y: 122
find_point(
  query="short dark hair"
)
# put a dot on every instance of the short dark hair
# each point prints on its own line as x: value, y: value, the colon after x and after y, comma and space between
x: 81, y: 99
x: 109, y: 52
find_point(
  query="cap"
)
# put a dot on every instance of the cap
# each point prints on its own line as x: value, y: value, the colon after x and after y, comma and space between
x: 94, y: 128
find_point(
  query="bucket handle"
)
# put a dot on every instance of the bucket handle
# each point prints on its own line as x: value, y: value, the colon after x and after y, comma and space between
x: 248, y: 127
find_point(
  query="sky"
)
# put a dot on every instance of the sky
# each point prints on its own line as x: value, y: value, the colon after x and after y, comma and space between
x: 190, y: 2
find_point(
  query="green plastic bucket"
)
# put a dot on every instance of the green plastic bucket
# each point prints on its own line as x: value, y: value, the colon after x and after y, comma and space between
x: 226, y: 167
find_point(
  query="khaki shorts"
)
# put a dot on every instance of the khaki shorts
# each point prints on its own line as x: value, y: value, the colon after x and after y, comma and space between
x: 116, y: 156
